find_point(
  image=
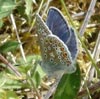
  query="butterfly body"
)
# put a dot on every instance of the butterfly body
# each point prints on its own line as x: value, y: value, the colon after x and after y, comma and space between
x: 53, y: 40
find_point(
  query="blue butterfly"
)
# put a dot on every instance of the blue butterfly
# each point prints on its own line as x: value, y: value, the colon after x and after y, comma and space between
x: 58, y: 43
x: 60, y: 28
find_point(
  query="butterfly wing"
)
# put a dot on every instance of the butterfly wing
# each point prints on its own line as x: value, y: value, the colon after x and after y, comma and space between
x: 42, y: 31
x: 57, y: 24
x: 57, y: 56
x: 72, y: 44
x: 59, y: 27
x: 42, y: 28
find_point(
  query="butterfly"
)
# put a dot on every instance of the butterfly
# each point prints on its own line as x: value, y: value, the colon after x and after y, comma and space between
x: 58, y: 43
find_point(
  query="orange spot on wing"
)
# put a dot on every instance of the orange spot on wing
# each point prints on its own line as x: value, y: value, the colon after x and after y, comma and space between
x: 64, y: 55
x: 62, y: 49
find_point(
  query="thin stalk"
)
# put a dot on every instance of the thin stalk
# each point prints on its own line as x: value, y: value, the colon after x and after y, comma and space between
x: 95, y: 54
x: 92, y: 88
x: 71, y: 21
x: 47, y: 5
x: 32, y: 83
x: 18, y: 38
x: 5, y: 61
x: 88, y: 16
x: 40, y: 6
x: 37, y: 12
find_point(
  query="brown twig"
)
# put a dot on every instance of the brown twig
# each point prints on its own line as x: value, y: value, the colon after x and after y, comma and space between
x: 92, y: 89
x: 5, y: 61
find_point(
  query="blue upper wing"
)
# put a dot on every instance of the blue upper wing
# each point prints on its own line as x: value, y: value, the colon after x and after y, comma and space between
x: 57, y: 24
x: 72, y: 44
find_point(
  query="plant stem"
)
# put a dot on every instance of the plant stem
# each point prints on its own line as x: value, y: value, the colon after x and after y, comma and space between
x: 91, y: 89
x: 5, y: 61
x: 32, y: 83
x: 18, y: 38
x: 70, y: 19
x: 88, y: 16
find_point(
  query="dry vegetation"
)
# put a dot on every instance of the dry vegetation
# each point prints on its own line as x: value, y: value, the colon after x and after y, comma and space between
x: 19, y: 49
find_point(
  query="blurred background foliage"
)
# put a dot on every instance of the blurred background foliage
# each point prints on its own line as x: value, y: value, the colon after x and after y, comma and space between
x: 23, y: 12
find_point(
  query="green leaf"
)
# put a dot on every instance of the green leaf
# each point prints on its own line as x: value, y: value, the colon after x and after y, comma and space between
x: 9, y: 81
x: 8, y: 95
x: 8, y: 46
x: 28, y: 6
x: 6, y: 7
x: 37, y: 79
x: 68, y: 85
x: 1, y: 23
x: 28, y: 9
